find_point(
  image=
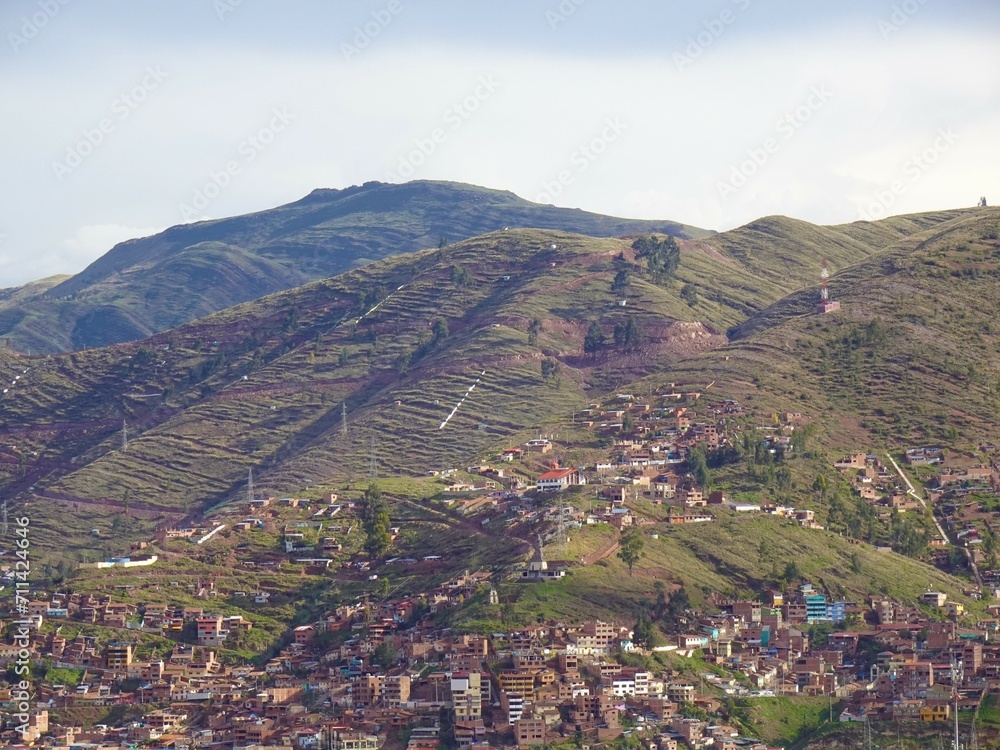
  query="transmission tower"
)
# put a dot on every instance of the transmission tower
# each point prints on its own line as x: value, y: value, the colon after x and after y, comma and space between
x: 867, y: 733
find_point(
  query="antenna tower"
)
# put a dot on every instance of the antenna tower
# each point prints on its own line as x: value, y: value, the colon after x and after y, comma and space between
x: 825, y: 303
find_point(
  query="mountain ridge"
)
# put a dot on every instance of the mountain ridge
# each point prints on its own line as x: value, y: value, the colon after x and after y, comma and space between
x: 132, y: 291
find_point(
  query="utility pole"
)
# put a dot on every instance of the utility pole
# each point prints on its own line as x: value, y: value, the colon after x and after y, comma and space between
x: 124, y: 436
x: 250, y: 485
x: 343, y: 418
x: 954, y: 692
x: 371, y: 458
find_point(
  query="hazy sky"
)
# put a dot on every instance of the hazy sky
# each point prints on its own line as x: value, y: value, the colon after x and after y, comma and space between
x: 124, y: 117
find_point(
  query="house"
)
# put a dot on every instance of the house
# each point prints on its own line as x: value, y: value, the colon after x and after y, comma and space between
x: 924, y: 456
x: 853, y: 461
x: 557, y: 480
x: 538, y: 445
x: 934, y: 598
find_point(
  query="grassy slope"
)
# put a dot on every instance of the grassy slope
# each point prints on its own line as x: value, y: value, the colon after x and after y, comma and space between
x: 148, y: 285
x: 936, y: 295
x: 780, y: 255
x: 304, y: 356
x: 728, y: 557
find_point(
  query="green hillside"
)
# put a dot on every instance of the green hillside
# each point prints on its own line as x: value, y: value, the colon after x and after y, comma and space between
x: 144, y: 286
x: 910, y: 358
x: 396, y: 345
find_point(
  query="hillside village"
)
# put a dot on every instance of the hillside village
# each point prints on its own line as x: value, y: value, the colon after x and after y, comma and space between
x: 388, y: 671
x: 574, y: 585
x: 384, y: 673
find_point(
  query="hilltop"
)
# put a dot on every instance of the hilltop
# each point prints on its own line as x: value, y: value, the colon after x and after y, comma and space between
x: 144, y: 286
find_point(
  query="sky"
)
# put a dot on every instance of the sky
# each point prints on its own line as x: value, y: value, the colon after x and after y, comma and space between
x: 125, y: 117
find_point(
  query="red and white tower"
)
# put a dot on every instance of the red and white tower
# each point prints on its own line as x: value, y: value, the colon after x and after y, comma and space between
x: 825, y: 303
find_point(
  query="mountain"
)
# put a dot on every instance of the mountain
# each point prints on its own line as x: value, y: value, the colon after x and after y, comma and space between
x: 397, y: 345
x: 144, y: 286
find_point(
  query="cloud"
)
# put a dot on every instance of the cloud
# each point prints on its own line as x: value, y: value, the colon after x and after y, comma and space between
x: 410, y: 102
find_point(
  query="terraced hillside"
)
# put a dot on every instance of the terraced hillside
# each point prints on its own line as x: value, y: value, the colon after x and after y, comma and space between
x: 148, y: 285
x: 432, y: 357
x: 738, y: 274
x: 911, y: 357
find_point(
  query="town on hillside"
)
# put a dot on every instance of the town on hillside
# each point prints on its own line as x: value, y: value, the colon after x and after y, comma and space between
x: 141, y: 650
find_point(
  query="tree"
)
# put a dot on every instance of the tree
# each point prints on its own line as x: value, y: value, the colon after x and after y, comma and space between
x: 385, y: 655
x: 645, y: 633
x: 821, y: 485
x: 628, y: 335
x: 630, y: 550
x: 550, y: 369
x: 689, y: 293
x: 791, y: 571
x: 375, y: 522
x: 675, y: 609
x: 439, y: 330
x: 662, y: 256
x: 621, y: 283
x: 697, y: 460
x: 800, y: 439
x: 403, y: 360
x: 594, y: 339
x: 460, y: 276
x: 534, y: 328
